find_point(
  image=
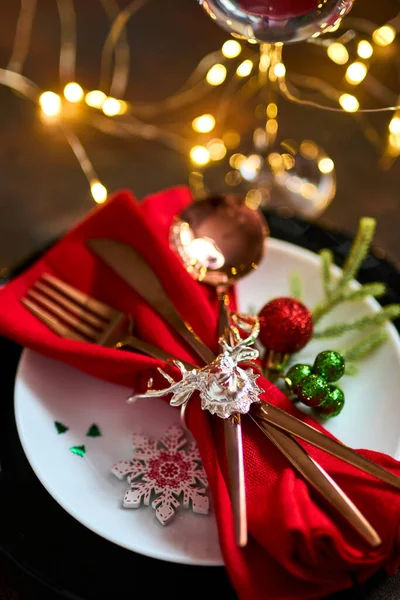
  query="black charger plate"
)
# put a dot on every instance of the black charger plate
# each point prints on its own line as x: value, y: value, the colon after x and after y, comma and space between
x: 63, y: 559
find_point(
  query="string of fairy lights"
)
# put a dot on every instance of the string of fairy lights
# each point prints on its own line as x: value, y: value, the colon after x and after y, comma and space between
x: 242, y: 70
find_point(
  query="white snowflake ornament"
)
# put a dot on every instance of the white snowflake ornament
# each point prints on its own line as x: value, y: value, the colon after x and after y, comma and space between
x: 166, y: 470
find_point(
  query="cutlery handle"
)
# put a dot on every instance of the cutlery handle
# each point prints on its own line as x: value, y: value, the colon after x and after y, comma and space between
x: 279, y: 418
x: 320, y: 481
x: 135, y: 343
x: 237, y: 489
x: 233, y: 441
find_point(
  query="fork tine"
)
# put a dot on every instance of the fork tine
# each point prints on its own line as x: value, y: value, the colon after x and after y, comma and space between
x: 63, y: 314
x: 51, y: 322
x: 70, y: 306
x: 99, y: 308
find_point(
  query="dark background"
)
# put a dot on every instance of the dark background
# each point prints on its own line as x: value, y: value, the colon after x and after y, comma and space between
x: 43, y: 191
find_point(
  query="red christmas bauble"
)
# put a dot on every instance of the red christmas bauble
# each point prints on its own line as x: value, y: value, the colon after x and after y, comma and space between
x: 285, y: 325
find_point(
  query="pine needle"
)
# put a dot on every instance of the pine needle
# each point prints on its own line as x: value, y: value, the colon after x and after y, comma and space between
x: 351, y: 369
x: 365, y: 346
x: 387, y: 313
x: 296, y: 286
x: 369, y: 289
x: 326, y: 270
x: 349, y: 295
x: 358, y: 252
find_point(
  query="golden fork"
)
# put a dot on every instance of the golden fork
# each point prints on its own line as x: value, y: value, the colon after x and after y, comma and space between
x: 71, y: 314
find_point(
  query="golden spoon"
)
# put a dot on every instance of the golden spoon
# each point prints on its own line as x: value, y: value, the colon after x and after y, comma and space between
x: 219, y: 240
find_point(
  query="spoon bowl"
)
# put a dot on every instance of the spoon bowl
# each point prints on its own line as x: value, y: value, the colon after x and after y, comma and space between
x: 219, y: 239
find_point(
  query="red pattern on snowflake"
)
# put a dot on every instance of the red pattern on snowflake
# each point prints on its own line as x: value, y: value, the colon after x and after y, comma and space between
x: 165, y: 471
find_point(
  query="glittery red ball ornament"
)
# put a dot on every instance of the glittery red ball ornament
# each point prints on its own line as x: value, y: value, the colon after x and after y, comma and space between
x: 285, y: 325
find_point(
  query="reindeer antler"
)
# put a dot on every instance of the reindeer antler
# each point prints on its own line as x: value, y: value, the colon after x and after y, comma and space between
x: 252, y: 325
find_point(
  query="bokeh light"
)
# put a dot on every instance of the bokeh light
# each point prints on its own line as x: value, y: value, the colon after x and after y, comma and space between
x: 231, y: 49
x: 95, y: 98
x: 204, y: 123
x: 199, y: 155
x: 99, y: 191
x: 73, y: 92
x: 216, y: 75
x: 50, y: 103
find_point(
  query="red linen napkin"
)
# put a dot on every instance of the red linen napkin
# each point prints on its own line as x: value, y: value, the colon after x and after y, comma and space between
x: 298, y: 549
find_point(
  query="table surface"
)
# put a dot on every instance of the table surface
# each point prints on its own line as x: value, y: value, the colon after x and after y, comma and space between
x: 43, y: 192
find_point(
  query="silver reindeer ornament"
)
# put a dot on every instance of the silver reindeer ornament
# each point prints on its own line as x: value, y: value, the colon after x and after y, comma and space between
x: 224, y: 387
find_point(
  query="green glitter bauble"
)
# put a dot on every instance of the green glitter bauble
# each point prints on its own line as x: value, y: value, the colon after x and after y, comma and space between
x: 332, y: 404
x: 312, y: 390
x: 330, y: 365
x: 296, y: 374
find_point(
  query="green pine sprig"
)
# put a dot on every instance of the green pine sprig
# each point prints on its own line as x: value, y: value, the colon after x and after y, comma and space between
x: 365, y: 346
x: 296, y: 286
x: 341, y: 290
x: 349, y: 295
x: 335, y: 293
x: 363, y: 349
x: 326, y: 270
x: 388, y: 313
x: 358, y: 252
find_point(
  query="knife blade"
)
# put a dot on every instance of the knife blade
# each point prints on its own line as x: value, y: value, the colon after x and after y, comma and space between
x: 134, y: 270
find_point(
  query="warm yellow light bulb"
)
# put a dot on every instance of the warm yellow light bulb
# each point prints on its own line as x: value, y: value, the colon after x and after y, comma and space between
x: 50, y: 103
x: 394, y: 125
x: 326, y: 165
x: 356, y: 72
x: 309, y: 149
x: 253, y: 199
x: 349, y: 103
x: 280, y: 69
x: 272, y: 110
x: 111, y: 107
x: 237, y: 160
x: 231, y: 49
x: 338, y: 53
x: 245, y: 68
x: 217, y: 149
x: 95, y: 98
x: 364, y: 49
x: 73, y: 92
x: 275, y: 160
x: 216, y: 75
x: 271, y: 126
x: 199, y: 155
x: 99, y: 191
x: 384, y: 35
x: 204, y: 123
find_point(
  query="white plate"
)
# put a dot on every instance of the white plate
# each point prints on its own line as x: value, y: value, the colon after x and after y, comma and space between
x: 48, y: 391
